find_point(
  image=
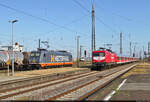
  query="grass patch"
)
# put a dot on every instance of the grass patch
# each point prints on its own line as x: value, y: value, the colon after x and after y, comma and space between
x: 22, y: 98
x: 81, y: 63
x: 135, y: 71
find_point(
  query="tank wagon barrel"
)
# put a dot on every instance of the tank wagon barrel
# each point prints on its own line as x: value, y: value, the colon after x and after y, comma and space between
x: 6, y: 56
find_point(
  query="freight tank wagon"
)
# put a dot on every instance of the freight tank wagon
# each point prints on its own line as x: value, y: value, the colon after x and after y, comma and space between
x: 7, y: 56
x: 3, y: 59
x: 44, y: 59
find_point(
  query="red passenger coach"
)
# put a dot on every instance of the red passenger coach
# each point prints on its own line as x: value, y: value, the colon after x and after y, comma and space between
x: 105, y: 57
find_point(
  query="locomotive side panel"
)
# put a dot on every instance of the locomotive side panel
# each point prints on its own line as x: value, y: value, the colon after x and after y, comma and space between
x: 49, y: 58
x: 55, y: 59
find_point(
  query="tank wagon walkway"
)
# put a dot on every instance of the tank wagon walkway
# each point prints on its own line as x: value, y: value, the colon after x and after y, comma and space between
x: 35, y: 73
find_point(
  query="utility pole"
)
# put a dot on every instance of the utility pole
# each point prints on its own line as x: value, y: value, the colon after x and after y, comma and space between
x: 148, y: 49
x: 143, y: 53
x: 12, y: 45
x: 140, y: 54
x: 130, y: 49
x: 78, y: 51
x: 121, y: 43
x: 93, y: 28
x: 134, y: 50
x: 85, y: 55
x: 81, y: 51
x: 39, y: 44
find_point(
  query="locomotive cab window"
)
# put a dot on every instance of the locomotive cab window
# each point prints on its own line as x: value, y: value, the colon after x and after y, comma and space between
x: 96, y: 54
x: 102, y: 54
x: 37, y: 54
x: 32, y: 54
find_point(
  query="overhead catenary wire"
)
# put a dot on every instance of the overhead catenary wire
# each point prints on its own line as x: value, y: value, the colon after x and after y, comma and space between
x: 97, y: 18
x: 122, y: 16
x: 72, y: 22
x: 114, y: 13
x: 45, y: 20
x: 39, y: 18
x: 81, y: 6
x: 110, y: 28
x: 100, y: 20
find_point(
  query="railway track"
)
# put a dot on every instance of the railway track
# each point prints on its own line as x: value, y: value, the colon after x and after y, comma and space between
x: 37, y: 79
x: 59, y: 88
x: 84, y: 90
x: 25, y: 89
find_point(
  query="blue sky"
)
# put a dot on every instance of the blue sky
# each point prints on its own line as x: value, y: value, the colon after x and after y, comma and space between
x: 60, y: 21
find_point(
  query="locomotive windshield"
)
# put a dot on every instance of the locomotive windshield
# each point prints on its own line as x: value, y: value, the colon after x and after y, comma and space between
x: 32, y: 54
x: 35, y: 54
x: 34, y: 57
x: 101, y: 54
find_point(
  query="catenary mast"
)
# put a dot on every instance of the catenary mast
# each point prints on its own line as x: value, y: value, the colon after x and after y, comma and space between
x: 93, y: 28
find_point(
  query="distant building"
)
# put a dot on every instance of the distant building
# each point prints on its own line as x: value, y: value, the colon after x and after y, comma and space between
x: 16, y: 47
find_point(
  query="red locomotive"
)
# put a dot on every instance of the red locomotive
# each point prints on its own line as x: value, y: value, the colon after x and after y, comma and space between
x: 105, y: 57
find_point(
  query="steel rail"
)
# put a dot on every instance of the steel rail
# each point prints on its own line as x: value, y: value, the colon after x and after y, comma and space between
x: 101, y: 86
x: 37, y: 83
x: 35, y: 77
x: 36, y: 88
x: 84, y: 85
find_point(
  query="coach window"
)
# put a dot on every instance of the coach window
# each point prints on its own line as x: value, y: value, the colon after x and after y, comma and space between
x: 119, y: 58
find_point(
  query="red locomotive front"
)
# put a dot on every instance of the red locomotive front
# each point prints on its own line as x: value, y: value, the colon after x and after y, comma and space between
x: 98, y: 56
x: 103, y: 57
